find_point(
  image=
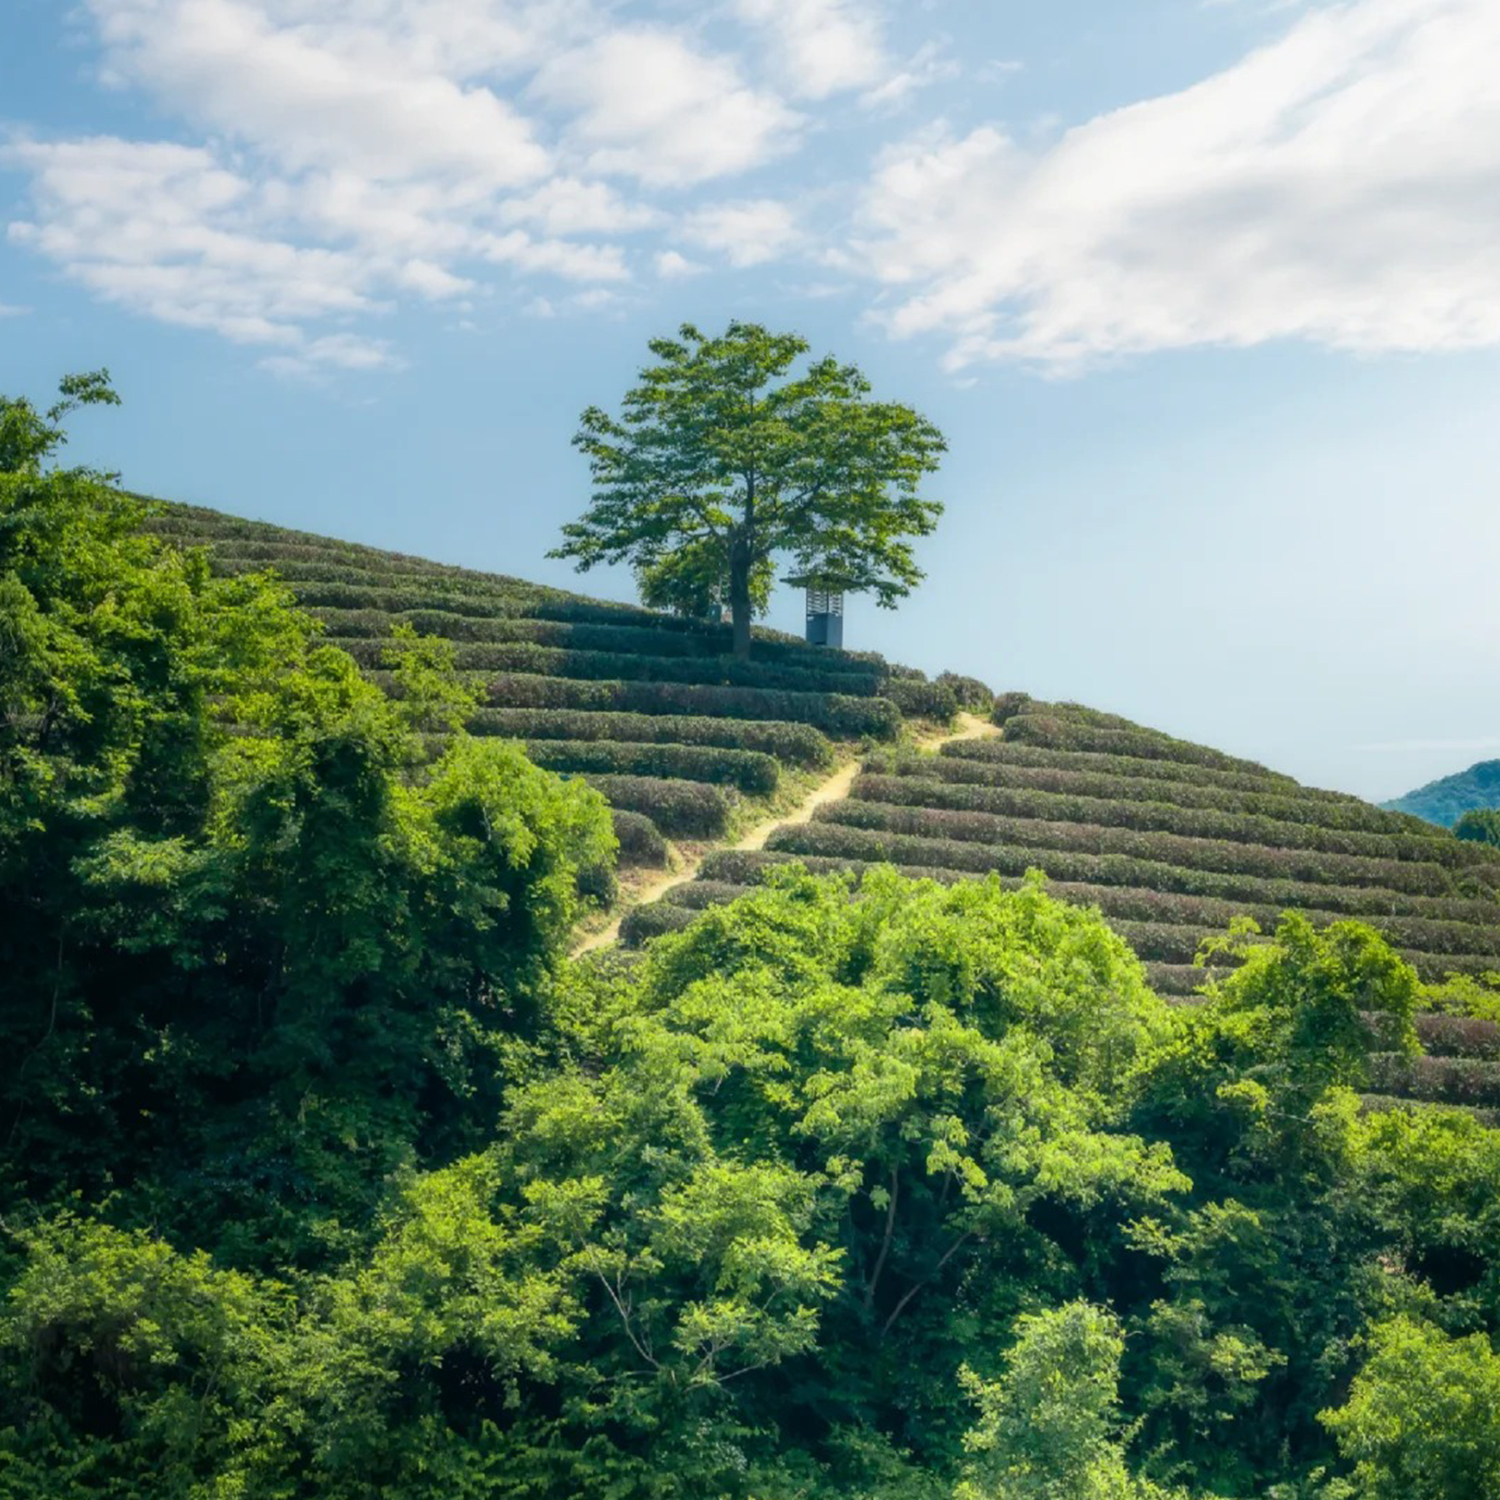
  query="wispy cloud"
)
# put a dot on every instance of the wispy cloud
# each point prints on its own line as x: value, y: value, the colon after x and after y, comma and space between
x: 331, y: 161
x: 1340, y: 186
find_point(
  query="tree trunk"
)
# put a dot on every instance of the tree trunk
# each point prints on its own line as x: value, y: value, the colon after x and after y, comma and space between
x: 739, y: 595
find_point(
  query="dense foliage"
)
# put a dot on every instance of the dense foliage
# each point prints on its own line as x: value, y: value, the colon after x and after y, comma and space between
x: 325, y: 1175
x: 259, y: 951
x: 918, y: 1195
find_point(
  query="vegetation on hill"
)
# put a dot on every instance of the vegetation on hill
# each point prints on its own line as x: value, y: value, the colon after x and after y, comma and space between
x: 1446, y: 800
x: 325, y: 1174
x: 1168, y: 839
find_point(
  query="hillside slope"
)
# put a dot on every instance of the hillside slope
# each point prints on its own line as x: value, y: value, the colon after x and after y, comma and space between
x: 1446, y: 800
x: 1170, y: 840
x: 683, y: 740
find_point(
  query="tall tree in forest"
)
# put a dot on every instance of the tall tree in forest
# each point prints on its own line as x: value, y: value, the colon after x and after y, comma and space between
x: 723, y: 459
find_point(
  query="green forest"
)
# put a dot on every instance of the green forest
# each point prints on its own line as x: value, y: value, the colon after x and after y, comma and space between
x: 329, y: 1172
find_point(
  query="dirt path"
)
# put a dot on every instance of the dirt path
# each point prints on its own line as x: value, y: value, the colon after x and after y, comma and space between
x: 970, y: 727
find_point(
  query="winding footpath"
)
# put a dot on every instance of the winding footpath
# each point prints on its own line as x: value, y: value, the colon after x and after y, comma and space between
x: 969, y: 727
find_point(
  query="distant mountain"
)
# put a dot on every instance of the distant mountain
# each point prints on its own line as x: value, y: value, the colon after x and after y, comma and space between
x: 1446, y: 801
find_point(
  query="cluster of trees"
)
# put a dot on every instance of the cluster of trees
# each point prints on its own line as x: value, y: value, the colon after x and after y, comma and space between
x: 324, y: 1174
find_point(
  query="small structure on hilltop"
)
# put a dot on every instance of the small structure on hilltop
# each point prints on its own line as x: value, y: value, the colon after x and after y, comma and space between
x: 825, y: 616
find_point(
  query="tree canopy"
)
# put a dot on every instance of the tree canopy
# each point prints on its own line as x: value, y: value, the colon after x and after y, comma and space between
x: 724, y: 460
x: 260, y: 950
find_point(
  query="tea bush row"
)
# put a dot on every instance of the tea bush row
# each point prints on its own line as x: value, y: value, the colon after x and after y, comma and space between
x: 748, y: 770
x: 1054, y: 732
x: 1445, y: 1080
x: 692, y: 809
x: 647, y: 637
x: 619, y: 666
x: 1302, y: 865
x: 970, y: 692
x: 921, y: 700
x: 1416, y: 921
x: 1168, y: 817
x: 907, y: 850
x: 834, y: 713
x: 795, y: 744
x: 642, y: 923
x: 1283, y: 806
x: 641, y: 843
x: 1014, y: 752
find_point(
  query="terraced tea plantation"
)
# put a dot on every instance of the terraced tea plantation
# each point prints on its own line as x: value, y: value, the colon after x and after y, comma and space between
x: 651, y: 709
x: 1170, y: 841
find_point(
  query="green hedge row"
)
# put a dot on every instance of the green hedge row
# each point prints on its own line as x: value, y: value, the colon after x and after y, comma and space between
x: 1007, y: 751
x: 1169, y: 817
x: 1458, y: 1036
x: 969, y: 692
x: 641, y: 843
x: 922, y: 700
x: 1412, y: 921
x: 689, y: 808
x: 646, y: 637
x: 795, y: 744
x: 874, y: 846
x: 396, y: 601
x: 834, y: 713
x: 621, y: 666
x: 748, y: 770
x: 1438, y: 1080
x: 1386, y: 1103
x: 1306, y: 866
x: 1056, y: 732
x: 698, y: 894
x: 1283, y: 806
x: 642, y: 923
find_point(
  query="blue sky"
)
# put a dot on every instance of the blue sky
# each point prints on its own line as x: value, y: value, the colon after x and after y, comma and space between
x: 1206, y: 297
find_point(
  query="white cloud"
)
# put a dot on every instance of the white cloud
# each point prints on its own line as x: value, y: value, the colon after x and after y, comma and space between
x: 646, y: 104
x: 164, y: 230
x: 745, y: 233
x: 673, y: 266
x: 821, y: 47
x: 1341, y: 185
x: 570, y: 205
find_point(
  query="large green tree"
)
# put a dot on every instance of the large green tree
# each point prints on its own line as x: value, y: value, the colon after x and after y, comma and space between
x: 723, y: 460
x: 259, y: 948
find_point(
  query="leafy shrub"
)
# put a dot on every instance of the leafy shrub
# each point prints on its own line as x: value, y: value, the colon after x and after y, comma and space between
x: 676, y: 807
x: 1068, y: 731
x: 748, y: 770
x: 641, y: 843
x: 1458, y: 1036
x: 1481, y: 825
x: 796, y: 744
x: 822, y: 837
x: 833, y: 713
x: 1303, y: 865
x: 1446, y: 1080
x: 1009, y: 751
x: 696, y: 894
x: 1273, y: 801
x: 1158, y: 817
x: 1008, y: 705
x: 926, y: 700
x: 971, y: 693
x: 552, y: 661
x: 642, y: 923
